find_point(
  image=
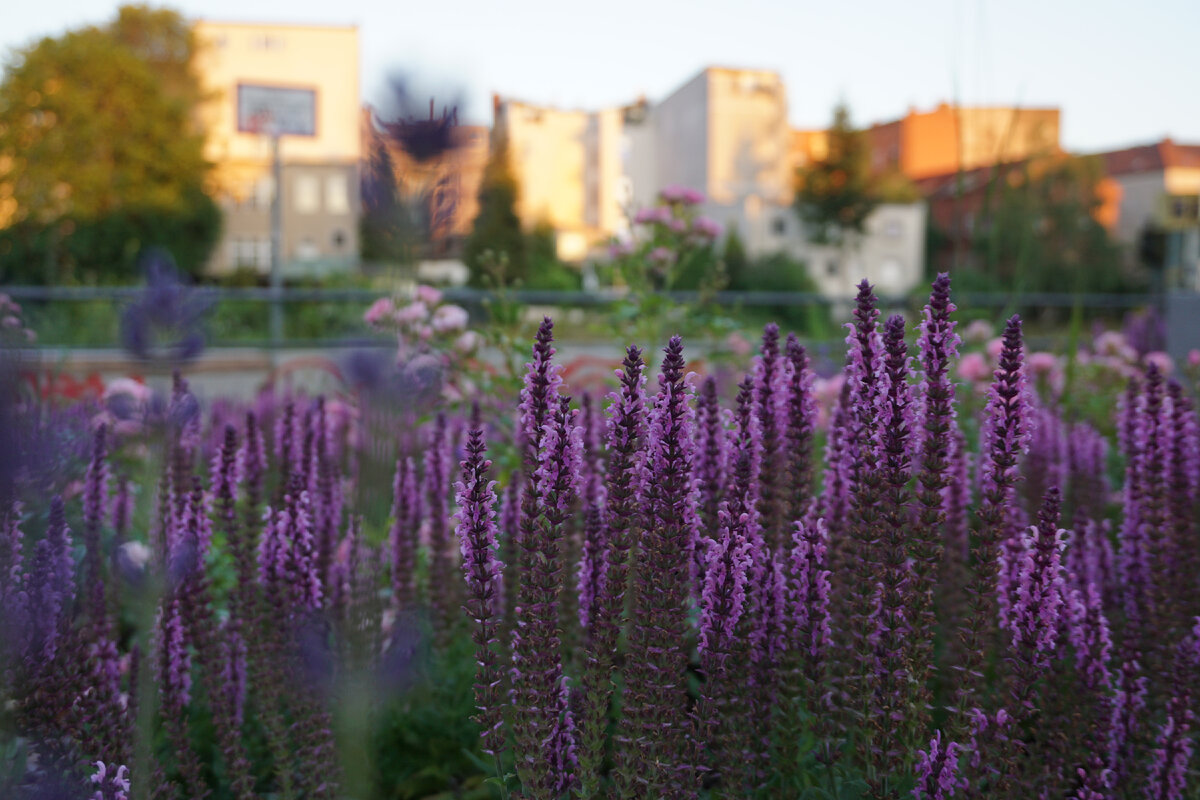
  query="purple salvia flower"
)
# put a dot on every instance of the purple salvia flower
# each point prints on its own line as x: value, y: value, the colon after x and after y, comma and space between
x: 403, y: 535
x: 724, y: 597
x: 1168, y: 779
x: 810, y: 599
x: 444, y: 594
x: 624, y: 484
x: 937, y: 771
x: 175, y: 680
x: 541, y: 384
x: 287, y: 556
x: 711, y: 454
x: 1087, y: 456
x: 287, y: 442
x: 864, y: 371
x: 1129, y: 706
x: 109, y: 782
x: 1091, y: 640
x: 1004, y: 435
x: 897, y: 603
x: 769, y: 406
x: 95, y: 505
x: 1179, y: 556
x: 541, y: 738
x: 254, y: 462
x: 476, y: 527
x: 1039, y: 591
x: 1047, y: 462
x: 654, y: 730
x: 835, y: 501
x: 801, y: 407
x: 591, y: 562
x: 49, y: 588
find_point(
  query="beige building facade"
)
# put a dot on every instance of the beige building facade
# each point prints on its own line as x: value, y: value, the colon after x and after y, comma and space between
x: 315, y: 70
x: 569, y: 169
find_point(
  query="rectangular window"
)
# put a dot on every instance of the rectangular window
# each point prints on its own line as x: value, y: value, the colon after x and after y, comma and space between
x: 307, y: 194
x: 337, y: 196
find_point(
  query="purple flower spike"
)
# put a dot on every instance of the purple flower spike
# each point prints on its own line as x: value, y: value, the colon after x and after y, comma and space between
x: 710, y: 453
x: 625, y: 479
x: 444, y: 595
x: 937, y: 771
x: 801, y: 422
x: 95, y: 506
x: 592, y: 558
x: 403, y: 536
x: 476, y: 527
x: 654, y: 731
x: 1039, y: 588
x: 49, y: 587
x: 1168, y: 777
x: 542, y: 736
x: 769, y: 400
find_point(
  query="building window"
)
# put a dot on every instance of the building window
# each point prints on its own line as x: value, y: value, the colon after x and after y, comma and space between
x: 308, y: 194
x: 832, y: 267
x: 339, y: 240
x: 264, y: 192
x: 249, y: 252
x: 337, y: 195
x: 779, y: 226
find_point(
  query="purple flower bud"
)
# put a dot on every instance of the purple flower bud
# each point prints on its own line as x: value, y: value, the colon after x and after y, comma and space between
x: 476, y: 527
x: 937, y: 771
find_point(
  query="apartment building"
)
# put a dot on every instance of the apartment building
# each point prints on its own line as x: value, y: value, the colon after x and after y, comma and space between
x: 302, y: 81
x: 569, y: 169
x: 953, y: 138
x: 1157, y: 207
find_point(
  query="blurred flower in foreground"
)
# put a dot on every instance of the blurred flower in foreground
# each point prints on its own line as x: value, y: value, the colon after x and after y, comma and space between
x: 166, y: 321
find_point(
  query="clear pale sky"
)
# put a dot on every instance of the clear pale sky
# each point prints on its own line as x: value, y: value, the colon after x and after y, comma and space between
x: 1122, y: 72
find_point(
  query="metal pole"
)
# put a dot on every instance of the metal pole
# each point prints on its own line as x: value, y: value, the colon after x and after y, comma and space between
x: 276, y: 245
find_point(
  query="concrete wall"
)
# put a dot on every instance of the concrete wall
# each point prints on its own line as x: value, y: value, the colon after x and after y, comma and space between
x: 748, y: 136
x: 680, y: 126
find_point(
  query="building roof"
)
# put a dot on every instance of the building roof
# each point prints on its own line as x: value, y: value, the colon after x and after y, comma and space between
x: 1151, y: 157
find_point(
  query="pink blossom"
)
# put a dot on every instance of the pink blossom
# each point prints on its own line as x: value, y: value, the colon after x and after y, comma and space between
x: 1193, y: 358
x: 379, y: 310
x: 661, y: 255
x: 1161, y: 360
x: 738, y: 344
x: 978, y: 331
x: 135, y: 389
x: 424, y: 333
x: 677, y: 225
x: 429, y: 295
x: 993, y: 349
x: 672, y: 194
x: 692, y: 197
x: 449, y: 318
x: 1042, y: 363
x: 654, y: 215
x: 414, y: 312
x: 708, y: 228
x: 974, y: 368
x: 467, y: 342
x: 1114, y: 343
x: 620, y: 249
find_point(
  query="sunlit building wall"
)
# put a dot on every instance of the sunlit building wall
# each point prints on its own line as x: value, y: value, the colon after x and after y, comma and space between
x: 950, y: 138
x: 320, y: 194
x: 569, y: 171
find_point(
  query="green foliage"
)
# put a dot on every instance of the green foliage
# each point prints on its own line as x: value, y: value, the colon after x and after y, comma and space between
x: 782, y: 273
x: 834, y: 196
x: 99, y: 154
x: 546, y: 271
x: 497, y: 230
x: 735, y: 259
x: 1040, y: 232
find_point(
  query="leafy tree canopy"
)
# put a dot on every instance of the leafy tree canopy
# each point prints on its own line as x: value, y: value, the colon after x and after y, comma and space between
x: 97, y: 140
x: 496, y: 249
x: 836, y: 194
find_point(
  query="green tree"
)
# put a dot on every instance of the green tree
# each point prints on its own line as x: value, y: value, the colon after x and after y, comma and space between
x: 497, y: 238
x: 836, y: 194
x: 1039, y: 230
x: 99, y: 155
x: 737, y: 263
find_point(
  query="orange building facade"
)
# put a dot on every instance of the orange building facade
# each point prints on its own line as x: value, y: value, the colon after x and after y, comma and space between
x: 923, y: 144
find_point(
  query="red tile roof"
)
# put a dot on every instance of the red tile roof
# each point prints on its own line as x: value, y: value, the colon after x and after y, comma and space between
x: 1151, y: 157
